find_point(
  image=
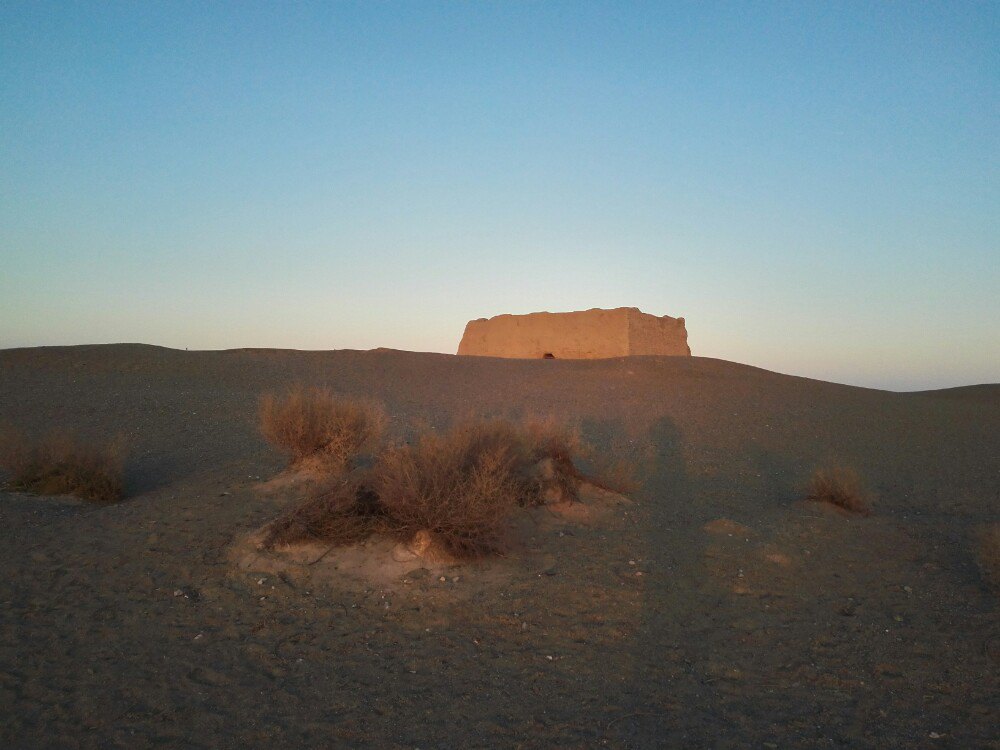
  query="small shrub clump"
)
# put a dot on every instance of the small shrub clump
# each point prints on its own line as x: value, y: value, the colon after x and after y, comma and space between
x: 344, y: 511
x: 459, y: 485
x: 577, y: 461
x: 554, y: 450
x: 841, y: 487
x: 315, y: 424
x: 62, y: 465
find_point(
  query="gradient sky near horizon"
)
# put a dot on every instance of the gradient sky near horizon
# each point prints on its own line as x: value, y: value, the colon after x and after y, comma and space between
x: 814, y: 186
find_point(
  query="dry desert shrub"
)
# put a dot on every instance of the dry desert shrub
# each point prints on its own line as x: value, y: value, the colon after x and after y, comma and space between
x: 461, y: 485
x: 62, y: 465
x: 839, y: 486
x: 576, y: 460
x: 550, y: 438
x: 555, y: 448
x: 343, y: 511
x: 314, y: 423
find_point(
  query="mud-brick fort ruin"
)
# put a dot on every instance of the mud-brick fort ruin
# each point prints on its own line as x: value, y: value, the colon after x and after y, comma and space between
x: 591, y: 334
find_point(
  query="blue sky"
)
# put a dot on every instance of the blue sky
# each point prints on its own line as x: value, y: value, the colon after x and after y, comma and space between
x: 814, y: 186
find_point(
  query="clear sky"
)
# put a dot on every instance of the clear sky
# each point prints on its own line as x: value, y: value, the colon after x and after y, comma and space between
x: 814, y: 186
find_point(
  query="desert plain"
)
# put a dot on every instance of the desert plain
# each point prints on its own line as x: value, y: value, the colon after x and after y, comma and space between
x: 716, y: 607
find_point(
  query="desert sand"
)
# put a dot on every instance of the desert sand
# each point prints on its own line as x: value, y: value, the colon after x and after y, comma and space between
x: 717, y: 609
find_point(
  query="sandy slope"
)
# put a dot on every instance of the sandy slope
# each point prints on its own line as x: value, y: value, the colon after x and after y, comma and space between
x: 805, y: 628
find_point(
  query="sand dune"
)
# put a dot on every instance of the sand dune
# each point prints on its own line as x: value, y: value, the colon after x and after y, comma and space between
x: 804, y: 627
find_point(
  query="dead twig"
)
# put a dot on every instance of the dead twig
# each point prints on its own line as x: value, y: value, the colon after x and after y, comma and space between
x: 329, y: 549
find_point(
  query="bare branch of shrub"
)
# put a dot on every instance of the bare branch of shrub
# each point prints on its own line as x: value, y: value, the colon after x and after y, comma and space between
x: 343, y: 511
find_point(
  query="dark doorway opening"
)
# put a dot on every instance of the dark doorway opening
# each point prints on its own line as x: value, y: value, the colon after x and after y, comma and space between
x: 548, y: 355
